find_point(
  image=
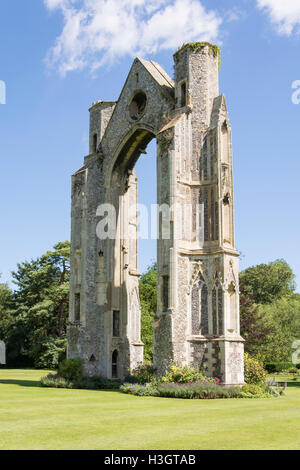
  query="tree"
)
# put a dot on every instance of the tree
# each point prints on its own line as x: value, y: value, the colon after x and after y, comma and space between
x: 253, y: 327
x: 5, y: 307
x: 283, y: 317
x: 270, y: 310
x: 148, y: 300
x: 5, y: 298
x: 266, y: 283
x: 36, y: 333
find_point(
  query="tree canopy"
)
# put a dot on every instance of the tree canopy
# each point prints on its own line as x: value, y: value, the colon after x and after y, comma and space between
x: 283, y: 318
x: 34, y: 322
x: 266, y: 283
x: 269, y: 310
x: 148, y: 300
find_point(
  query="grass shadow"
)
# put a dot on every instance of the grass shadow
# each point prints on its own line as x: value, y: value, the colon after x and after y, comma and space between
x: 21, y: 383
x: 289, y: 383
x: 36, y: 383
x: 292, y: 384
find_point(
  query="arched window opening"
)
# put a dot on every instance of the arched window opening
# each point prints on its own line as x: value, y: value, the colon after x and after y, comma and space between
x: 217, y: 309
x: 116, y: 323
x: 137, y: 106
x: 226, y: 199
x: 224, y: 127
x: 183, y: 94
x: 199, y: 324
x: 204, y: 311
x: 214, y: 311
x: 165, y: 293
x: 100, y: 260
x: 77, y: 307
x: 114, y: 365
x: 220, y: 312
x: 95, y: 139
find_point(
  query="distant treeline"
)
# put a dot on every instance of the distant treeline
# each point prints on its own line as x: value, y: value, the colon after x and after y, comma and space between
x: 33, y: 317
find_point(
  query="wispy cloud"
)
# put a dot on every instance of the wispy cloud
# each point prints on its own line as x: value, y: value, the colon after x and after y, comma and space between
x: 97, y: 32
x: 284, y: 14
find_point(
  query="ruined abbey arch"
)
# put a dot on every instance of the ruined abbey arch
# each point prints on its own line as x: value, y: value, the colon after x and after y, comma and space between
x: 197, y: 319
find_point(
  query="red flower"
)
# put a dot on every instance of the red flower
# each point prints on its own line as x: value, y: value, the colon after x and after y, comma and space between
x: 218, y: 381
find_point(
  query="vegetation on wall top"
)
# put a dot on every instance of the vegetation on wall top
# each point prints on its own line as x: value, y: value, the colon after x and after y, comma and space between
x: 197, y: 46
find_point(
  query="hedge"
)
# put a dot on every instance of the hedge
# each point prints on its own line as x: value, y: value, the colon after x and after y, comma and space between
x: 272, y: 367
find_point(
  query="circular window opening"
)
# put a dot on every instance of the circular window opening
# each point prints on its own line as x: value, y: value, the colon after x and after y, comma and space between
x: 137, y: 106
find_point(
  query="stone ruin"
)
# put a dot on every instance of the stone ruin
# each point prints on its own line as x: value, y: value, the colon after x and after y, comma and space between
x: 197, y: 319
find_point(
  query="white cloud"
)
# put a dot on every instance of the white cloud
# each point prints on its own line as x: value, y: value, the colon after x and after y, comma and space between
x: 96, y: 32
x: 284, y: 14
x: 52, y: 4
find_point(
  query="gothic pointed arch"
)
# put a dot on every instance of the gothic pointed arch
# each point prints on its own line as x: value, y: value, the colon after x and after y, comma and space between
x: 199, y: 302
x: 218, y: 305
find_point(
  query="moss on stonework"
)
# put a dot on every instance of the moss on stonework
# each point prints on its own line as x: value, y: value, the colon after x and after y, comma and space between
x: 197, y: 46
x: 165, y: 140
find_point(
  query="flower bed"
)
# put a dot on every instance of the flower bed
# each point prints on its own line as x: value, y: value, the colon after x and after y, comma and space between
x: 198, y: 390
x: 178, y: 382
x: 201, y: 390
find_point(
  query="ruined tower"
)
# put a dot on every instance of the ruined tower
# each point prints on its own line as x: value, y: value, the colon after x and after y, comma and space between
x: 197, y: 320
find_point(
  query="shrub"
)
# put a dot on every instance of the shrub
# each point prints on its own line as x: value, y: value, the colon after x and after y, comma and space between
x: 130, y: 379
x: 139, y: 390
x: 71, y: 369
x: 54, y: 381
x: 254, y: 391
x: 293, y: 370
x: 254, y: 371
x: 142, y: 374
x: 87, y: 383
x: 97, y: 383
x: 273, y: 367
x: 183, y: 374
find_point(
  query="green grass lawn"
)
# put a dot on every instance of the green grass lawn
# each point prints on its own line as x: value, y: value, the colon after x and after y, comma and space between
x: 39, y: 418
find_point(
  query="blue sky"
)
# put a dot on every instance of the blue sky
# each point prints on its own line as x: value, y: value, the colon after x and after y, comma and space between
x: 58, y: 56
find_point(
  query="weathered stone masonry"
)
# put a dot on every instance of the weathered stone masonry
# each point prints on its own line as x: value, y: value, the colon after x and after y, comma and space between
x: 197, y: 319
